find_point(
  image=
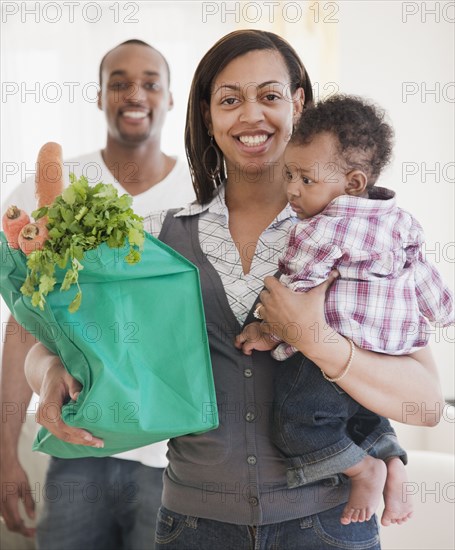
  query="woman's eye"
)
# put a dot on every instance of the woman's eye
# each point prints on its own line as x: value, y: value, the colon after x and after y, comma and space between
x: 229, y: 101
x: 307, y: 181
x: 288, y: 175
x: 272, y: 97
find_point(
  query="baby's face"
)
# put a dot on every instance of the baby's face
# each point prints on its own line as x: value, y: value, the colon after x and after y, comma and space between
x: 315, y: 175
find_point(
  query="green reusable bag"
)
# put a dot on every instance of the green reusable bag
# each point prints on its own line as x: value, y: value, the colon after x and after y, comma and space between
x: 138, y: 345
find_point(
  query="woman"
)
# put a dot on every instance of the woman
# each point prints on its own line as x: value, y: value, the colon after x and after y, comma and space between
x: 227, y: 488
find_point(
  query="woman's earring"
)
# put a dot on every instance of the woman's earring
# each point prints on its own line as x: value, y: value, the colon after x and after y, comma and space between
x: 213, y: 174
x: 295, y: 120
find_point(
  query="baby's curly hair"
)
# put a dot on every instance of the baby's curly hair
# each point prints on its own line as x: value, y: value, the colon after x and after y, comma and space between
x: 365, y: 140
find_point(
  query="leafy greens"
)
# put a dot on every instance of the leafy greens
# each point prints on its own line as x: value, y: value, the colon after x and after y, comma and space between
x: 80, y: 219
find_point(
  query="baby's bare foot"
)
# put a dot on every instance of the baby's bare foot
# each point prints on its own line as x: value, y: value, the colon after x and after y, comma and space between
x: 398, y: 507
x: 367, y: 483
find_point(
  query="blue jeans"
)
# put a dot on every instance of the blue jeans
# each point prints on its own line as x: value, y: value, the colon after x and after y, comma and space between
x: 321, y: 429
x: 321, y: 531
x: 99, y: 504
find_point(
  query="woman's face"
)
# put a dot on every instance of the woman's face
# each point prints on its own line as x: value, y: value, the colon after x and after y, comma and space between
x: 251, y: 111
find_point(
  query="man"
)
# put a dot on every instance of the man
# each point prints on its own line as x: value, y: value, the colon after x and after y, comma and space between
x: 104, y: 503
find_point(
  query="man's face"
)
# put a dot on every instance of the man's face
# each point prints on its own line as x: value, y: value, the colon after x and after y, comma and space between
x: 134, y: 94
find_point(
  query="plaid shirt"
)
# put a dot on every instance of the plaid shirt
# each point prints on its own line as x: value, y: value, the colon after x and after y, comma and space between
x: 217, y: 244
x: 387, y: 292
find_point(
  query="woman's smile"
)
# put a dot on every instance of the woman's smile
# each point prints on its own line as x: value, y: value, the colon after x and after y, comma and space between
x: 251, y: 110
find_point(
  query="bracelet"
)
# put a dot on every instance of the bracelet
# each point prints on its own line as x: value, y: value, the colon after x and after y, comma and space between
x: 345, y: 371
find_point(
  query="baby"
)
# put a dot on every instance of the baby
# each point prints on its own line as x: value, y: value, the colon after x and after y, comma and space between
x: 382, y: 300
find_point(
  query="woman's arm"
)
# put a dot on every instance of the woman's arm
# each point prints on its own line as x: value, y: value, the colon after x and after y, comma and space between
x: 404, y: 388
x: 48, y: 377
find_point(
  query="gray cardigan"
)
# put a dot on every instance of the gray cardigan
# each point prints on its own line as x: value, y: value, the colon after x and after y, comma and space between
x: 235, y: 473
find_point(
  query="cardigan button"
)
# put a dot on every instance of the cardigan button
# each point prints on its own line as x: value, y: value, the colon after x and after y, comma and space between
x: 247, y: 373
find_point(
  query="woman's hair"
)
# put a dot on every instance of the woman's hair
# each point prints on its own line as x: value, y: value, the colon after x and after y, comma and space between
x: 365, y: 140
x: 228, y: 48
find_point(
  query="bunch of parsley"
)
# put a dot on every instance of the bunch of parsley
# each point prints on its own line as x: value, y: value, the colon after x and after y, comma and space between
x: 80, y: 219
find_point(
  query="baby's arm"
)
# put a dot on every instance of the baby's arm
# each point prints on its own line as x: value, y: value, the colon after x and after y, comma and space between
x: 434, y: 299
x: 313, y: 250
x: 253, y: 337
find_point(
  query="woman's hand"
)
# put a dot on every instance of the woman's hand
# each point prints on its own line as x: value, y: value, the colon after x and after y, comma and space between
x: 295, y: 317
x: 55, y: 386
x: 405, y: 388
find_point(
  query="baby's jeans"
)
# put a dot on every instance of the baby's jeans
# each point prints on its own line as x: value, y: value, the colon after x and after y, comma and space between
x: 320, y: 429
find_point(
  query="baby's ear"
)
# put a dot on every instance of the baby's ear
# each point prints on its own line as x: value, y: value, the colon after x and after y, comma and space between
x: 357, y: 182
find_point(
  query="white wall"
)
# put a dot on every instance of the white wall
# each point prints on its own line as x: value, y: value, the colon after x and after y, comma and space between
x: 363, y: 47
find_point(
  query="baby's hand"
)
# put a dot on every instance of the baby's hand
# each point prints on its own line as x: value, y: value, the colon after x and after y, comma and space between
x: 253, y: 337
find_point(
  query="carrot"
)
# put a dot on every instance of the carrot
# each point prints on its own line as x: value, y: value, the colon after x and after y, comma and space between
x: 48, y: 186
x: 33, y: 236
x: 13, y: 221
x: 49, y: 174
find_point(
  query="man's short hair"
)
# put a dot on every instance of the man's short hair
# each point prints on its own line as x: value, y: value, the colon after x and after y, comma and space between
x: 138, y: 43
